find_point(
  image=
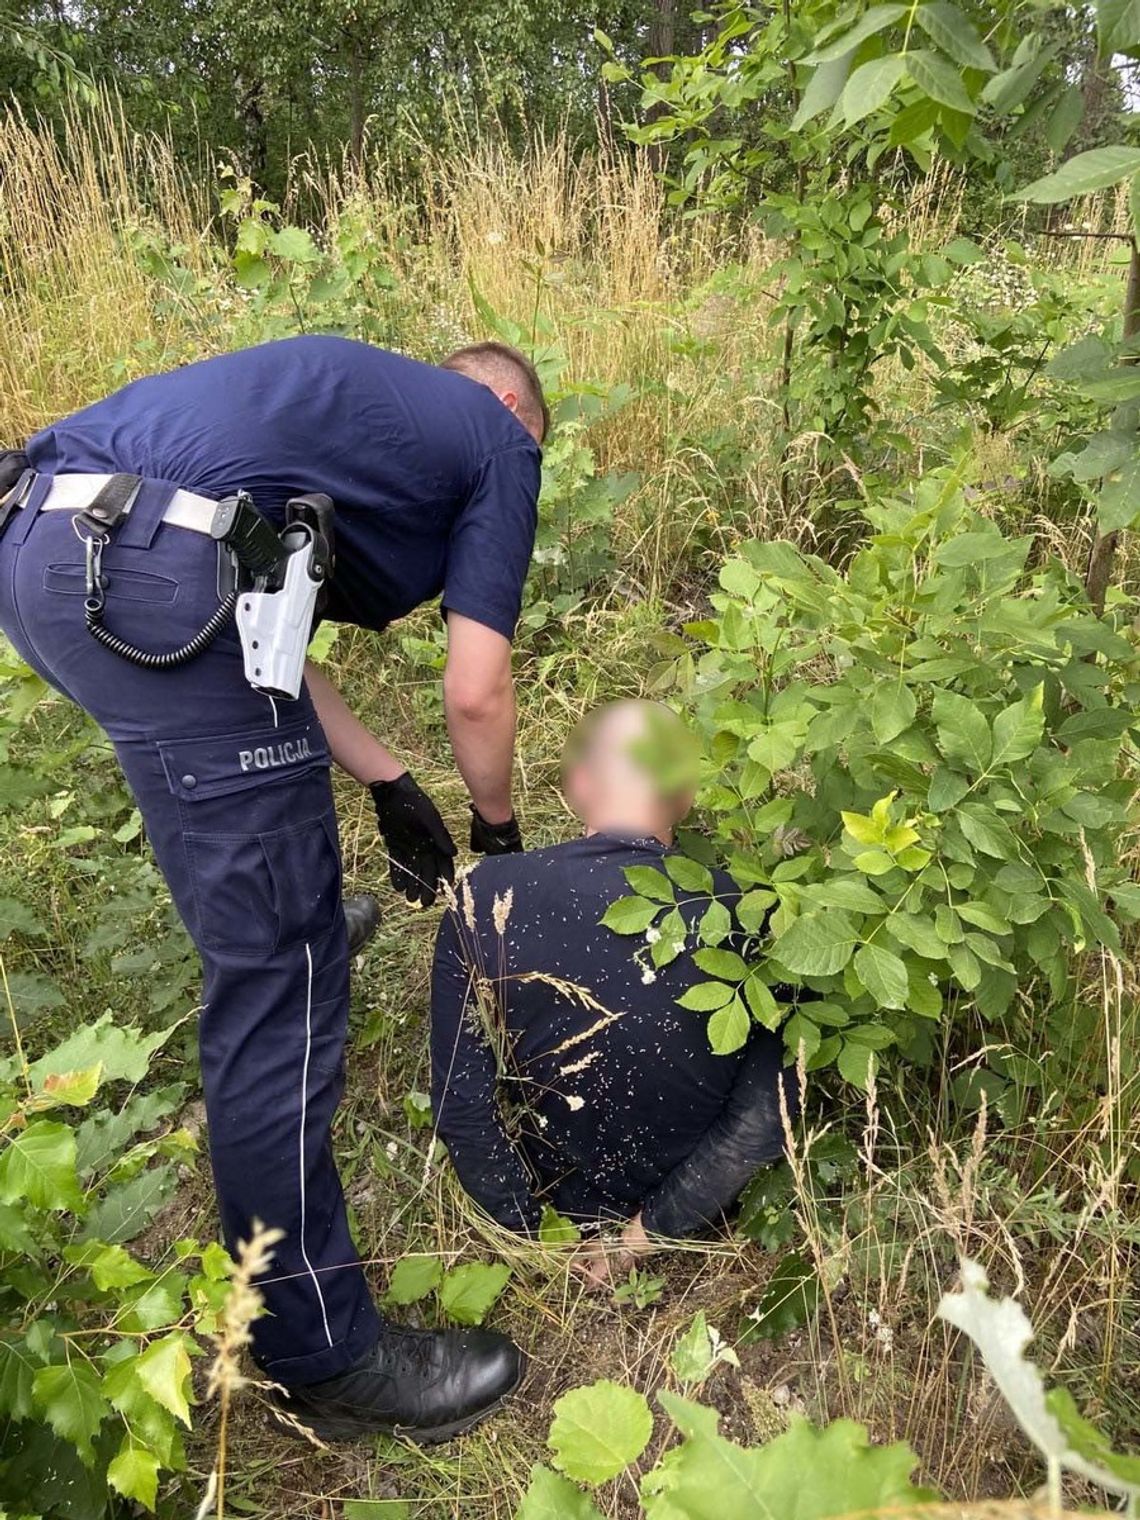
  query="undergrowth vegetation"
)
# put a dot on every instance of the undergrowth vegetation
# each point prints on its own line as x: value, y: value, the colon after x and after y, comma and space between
x: 849, y: 486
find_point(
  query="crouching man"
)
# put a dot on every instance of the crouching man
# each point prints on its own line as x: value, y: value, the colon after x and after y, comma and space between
x: 563, y: 1070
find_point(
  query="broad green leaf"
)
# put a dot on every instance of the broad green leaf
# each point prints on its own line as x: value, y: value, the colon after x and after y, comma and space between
x: 648, y: 881
x: 721, y: 963
x: 599, y: 1430
x: 17, y: 1377
x: 846, y: 892
x: 957, y: 36
x: 1117, y: 26
x: 876, y: 20
x: 883, y: 974
x: 870, y: 87
x: 762, y: 1005
x: 892, y: 712
x: 70, y: 1398
x: 917, y: 933
x: 123, y: 1052
x: 706, y: 997
x: 126, y: 1209
x: 38, y: 1166
x: 817, y: 944
x: 163, y: 1369
x: 697, y: 1350
x: 1118, y: 503
x: 155, y: 1305
x: 963, y: 733
x: 1018, y: 730
x: 789, y: 1299
x: 822, y: 91
x: 971, y: 549
x: 937, y: 79
x: 715, y: 925
x: 947, y: 788
x: 70, y: 1089
x: 776, y: 747
x: 552, y: 1497
x: 469, y: 1292
x: 134, y: 1473
x: 753, y: 908
x: 857, y: 1064
x: 689, y: 875
x: 1094, y: 170
x: 1064, y: 119
x: 985, y: 918
x: 803, y: 1474
x: 413, y: 1278
x: 109, y: 1266
x: 630, y: 915
x: 728, y: 1029
x: 294, y: 244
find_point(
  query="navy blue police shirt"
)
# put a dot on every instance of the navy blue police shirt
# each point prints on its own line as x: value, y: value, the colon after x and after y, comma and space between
x: 435, y: 482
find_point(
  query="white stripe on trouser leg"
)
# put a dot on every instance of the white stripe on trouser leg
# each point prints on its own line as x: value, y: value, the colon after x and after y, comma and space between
x: 304, y: 1114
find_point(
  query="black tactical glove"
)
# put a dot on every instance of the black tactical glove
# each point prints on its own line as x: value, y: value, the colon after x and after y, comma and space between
x: 494, y: 838
x: 420, y: 850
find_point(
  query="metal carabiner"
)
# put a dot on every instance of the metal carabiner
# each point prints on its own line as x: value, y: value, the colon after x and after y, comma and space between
x: 93, y: 544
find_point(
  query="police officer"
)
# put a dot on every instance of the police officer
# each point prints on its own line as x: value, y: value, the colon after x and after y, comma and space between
x: 434, y: 473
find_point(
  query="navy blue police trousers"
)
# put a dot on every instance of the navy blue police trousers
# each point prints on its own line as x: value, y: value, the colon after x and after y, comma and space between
x: 235, y: 794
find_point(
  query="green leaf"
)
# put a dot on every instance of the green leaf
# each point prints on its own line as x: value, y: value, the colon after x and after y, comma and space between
x: 469, y: 1292
x: 822, y: 91
x: 857, y: 1064
x: 883, y: 974
x: 1064, y: 119
x: 715, y: 925
x: 876, y: 20
x: 1018, y: 730
x: 630, y: 915
x: 728, y: 1029
x: 963, y: 733
x: 648, y: 881
x: 892, y: 711
x: 123, y: 1052
x: 163, y: 1369
x: 599, y: 1430
x: 126, y: 1209
x: 917, y: 933
x: 817, y: 944
x: 554, y: 1230
x: 721, y: 963
x: 295, y: 245
x: 110, y: 1266
x: 753, y: 908
x: 413, y: 1278
x: 763, y: 1006
x: 70, y: 1398
x: 38, y: 1167
x: 803, y: 1474
x: 134, y: 1473
x: 1118, y: 504
x: 552, y: 1497
x: 1117, y: 26
x: 845, y: 892
x: 1094, y: 170
x: 868, y: 90
x: 936, y: 79
x: 706, y: 997
x: 950, y: 30
x: 17, y: 1378
x: 689, y: 874
x: 947, y: 788
x: 985, y: 918
x: 789, y: 1299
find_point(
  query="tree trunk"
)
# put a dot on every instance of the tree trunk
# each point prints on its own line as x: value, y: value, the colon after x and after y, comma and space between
x: 660, y: 44
x: 1098, y: 577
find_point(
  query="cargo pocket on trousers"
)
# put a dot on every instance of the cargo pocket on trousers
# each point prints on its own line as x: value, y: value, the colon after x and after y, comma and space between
x: 261, y: 851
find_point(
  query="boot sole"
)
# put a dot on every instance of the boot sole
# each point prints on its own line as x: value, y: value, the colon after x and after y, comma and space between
x: 343, y: 1430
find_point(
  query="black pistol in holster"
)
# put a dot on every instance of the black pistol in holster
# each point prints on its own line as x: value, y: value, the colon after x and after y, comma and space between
x: 278, y: 578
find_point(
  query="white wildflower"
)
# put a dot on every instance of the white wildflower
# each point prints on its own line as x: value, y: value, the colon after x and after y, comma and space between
x: 391, y: 1150
x: 501, y: 910
x: 678, y: 947
x: 648, y: 975
x: 494, y: 238
x: 652, y: 935
x: 574, y: 1102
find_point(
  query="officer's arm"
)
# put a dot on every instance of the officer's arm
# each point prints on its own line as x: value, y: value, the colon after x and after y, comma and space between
x: 353, y: 748
x: 479, y: 701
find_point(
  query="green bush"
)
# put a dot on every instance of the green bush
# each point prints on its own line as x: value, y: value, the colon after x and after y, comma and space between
x: 916, y: 772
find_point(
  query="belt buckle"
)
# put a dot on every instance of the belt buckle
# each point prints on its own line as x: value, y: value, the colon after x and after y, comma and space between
x: 16, y: 497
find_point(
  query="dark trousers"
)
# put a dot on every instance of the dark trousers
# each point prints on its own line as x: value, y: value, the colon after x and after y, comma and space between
x: 235, y: 794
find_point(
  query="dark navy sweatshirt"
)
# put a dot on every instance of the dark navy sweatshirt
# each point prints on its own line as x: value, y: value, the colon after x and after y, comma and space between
x: 563, y: 1069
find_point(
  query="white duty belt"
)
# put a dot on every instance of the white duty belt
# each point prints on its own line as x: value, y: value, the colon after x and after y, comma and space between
x: 75, y: 493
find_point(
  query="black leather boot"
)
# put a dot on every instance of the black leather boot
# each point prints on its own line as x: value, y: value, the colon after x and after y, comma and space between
x: 424, y: 1385
x: 362, y: 919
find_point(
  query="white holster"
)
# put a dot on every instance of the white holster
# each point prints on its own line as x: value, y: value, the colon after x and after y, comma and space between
x: 275, y: 626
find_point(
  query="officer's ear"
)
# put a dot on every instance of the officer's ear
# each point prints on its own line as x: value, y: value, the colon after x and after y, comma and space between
x: 510, y: 400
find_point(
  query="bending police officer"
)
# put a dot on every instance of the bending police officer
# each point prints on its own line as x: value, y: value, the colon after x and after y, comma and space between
x: 434, y: 473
